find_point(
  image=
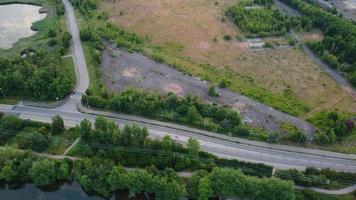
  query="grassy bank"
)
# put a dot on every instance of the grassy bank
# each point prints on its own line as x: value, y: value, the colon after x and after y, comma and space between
x: 38, y: 40
x: 30, y: 2
x: 44, y: 75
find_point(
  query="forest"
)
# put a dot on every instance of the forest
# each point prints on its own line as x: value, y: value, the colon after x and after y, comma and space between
x: 338, y: 47
x: 38, y: 73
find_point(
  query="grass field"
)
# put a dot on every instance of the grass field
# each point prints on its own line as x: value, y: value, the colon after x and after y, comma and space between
x: 191, y: 36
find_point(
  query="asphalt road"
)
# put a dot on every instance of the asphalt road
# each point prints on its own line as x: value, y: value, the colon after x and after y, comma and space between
x: 279, y: 156
x: 79, y: 61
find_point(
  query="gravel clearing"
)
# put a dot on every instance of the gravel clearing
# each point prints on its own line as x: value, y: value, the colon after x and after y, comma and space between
x: 121, y: 70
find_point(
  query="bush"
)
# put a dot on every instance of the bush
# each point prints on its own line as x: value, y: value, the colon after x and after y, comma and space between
x: 227, y: 37
x: 223, y: 83
x: 11, y: 122
x: 57, y: 125
x: 212, y: 91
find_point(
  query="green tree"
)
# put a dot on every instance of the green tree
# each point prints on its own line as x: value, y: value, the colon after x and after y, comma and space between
x: 205, y: 189
x: 12, y: 122
x: 43, y: 172
x: 57, y: 125
x: 118, y: 178
x: 85, y: 130
x: 212, y: 91
x: 193, y: 147
x: 192, y: 115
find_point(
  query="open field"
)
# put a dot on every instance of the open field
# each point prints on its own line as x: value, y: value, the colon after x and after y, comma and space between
x: 194, y: 31
x: 122, y: 70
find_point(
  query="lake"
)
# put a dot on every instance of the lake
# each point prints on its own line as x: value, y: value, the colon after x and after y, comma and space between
x: 67, y: 191
x: 16, y: 21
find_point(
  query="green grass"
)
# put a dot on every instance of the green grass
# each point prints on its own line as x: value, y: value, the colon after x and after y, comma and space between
x: 286, y: 102
x: 31, y: 2
x: 68, y: 64
x: 9, y: 100
x: 59, y: 142
x: 95, y: 84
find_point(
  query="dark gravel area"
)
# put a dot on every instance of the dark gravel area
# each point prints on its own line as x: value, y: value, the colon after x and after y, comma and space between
x: 121, y: 70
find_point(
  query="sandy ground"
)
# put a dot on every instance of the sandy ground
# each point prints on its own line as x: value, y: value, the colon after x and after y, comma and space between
x: 122, y: 70
x: 195, y: 30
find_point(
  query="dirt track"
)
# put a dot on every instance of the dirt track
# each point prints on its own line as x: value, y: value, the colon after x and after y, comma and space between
x: 122, y: 70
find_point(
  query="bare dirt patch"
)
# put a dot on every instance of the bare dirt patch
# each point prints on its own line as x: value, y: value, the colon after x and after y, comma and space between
x: 130, y: 72
x: 154, y: 76
x: 174, y: 88
x: 199, y: 27
x: 312, y: 35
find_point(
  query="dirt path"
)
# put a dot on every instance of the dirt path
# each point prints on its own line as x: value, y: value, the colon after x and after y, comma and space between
x: 187, y: 174
x: 340, y: 80
x: 71, y: 146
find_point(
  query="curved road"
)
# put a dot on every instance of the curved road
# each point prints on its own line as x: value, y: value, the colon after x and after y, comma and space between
x: 79, y: 61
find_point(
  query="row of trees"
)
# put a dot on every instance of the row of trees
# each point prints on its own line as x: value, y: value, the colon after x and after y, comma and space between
x: 187, y: 110
x: 326, y: 178
x: 131, y: 147
x: 104, y: 177
x: 339, y: 44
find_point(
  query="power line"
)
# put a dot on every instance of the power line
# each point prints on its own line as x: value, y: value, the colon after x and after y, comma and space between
x: 219, y: 162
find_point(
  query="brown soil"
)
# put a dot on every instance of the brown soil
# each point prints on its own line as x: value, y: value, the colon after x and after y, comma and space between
x: 129, y: 72
x: 174, y: 88
x: 195, y: 30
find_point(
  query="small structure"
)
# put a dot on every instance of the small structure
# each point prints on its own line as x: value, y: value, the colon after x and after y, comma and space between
x: 255, y: 43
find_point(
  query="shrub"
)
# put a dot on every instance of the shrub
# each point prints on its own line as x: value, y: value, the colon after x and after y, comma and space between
x: 12, y: 122
x: 227, y: 37
x: 212, y: 91
x: 57, y: 125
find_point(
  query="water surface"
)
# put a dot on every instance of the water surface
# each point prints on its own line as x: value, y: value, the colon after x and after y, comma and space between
x: 16, y: 21
x: 67, y: 191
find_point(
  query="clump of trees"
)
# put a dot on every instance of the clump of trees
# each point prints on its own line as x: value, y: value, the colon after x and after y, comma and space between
x: 333, y: 126
x: 37, y: 74
x: 27, y: 134
x: 104, y: 178
x: 23, y: 167
x: 338, y: 47
x: 187, y: 110
x: 229, y: 183
x: 261, y: 22
x: 131, y: 147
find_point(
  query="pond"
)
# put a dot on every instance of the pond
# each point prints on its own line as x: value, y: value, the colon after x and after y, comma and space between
x: 16, y: 21
x: 66, y: 191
